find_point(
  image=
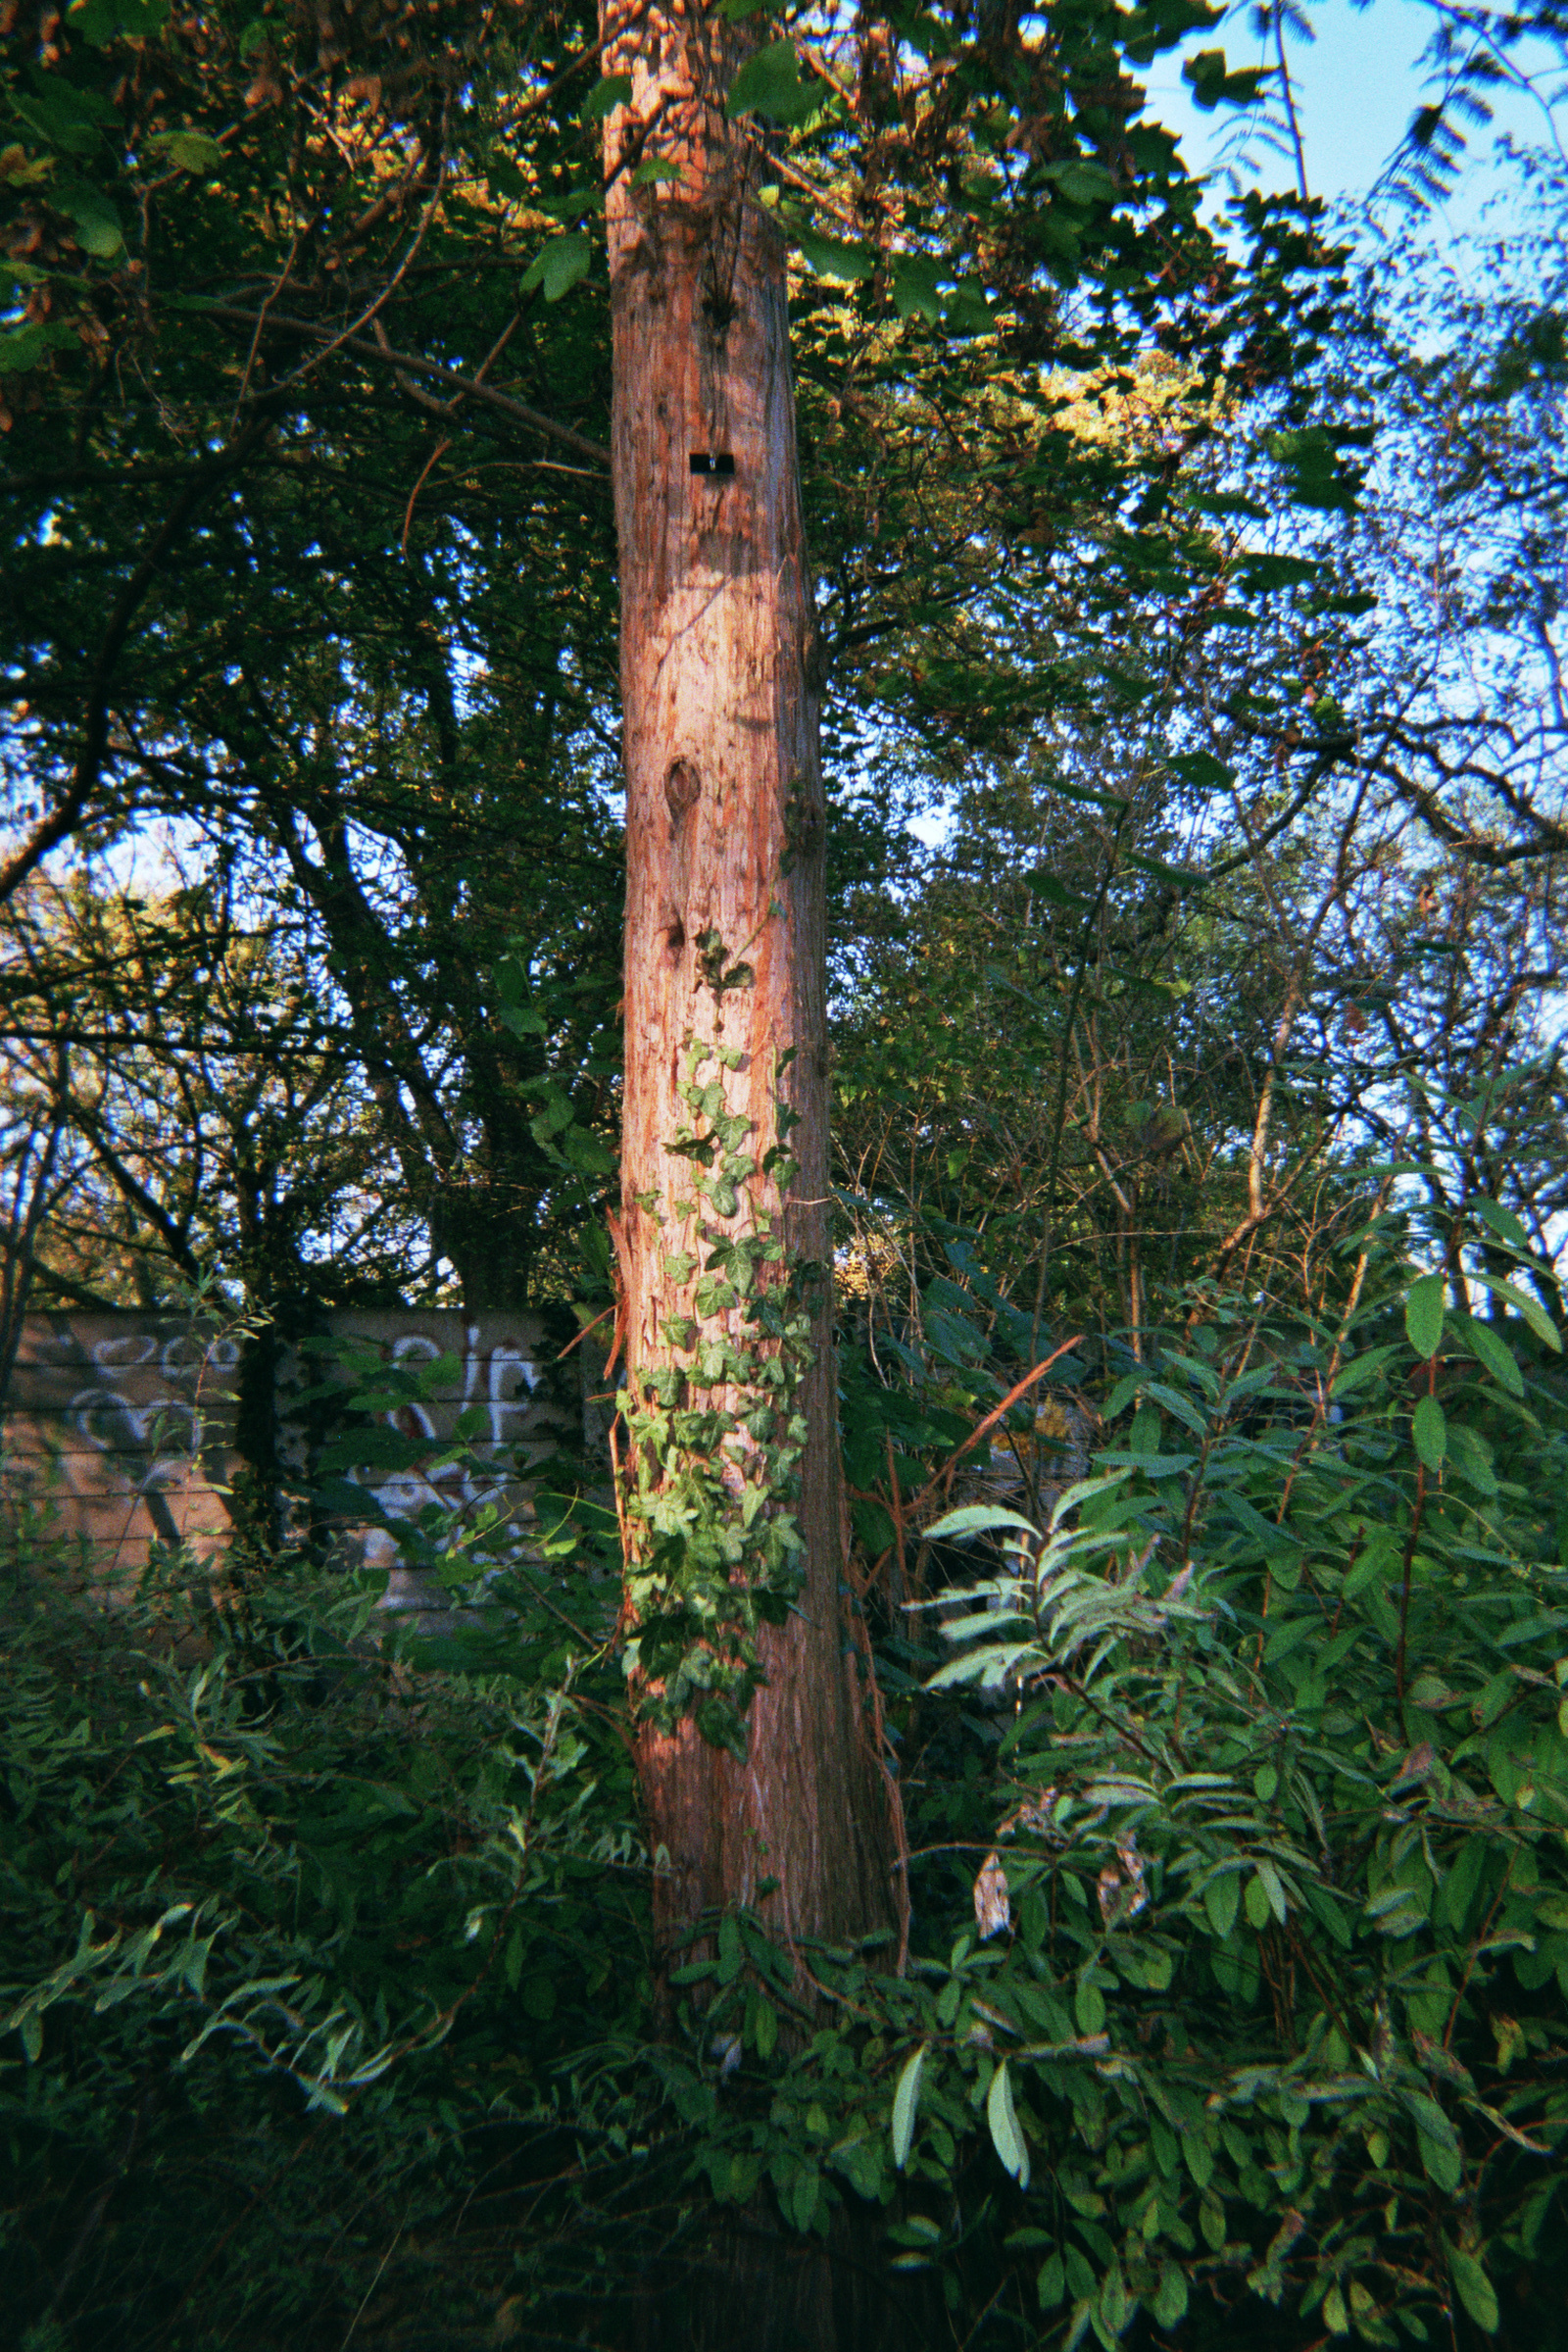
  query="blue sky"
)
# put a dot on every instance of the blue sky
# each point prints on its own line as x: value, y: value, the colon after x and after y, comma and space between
x: 1357, y: 87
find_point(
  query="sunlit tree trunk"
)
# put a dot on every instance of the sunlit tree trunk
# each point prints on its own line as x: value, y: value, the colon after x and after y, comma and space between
x: 725, y: 933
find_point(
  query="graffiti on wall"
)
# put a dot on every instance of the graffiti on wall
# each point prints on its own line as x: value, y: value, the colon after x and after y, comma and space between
x: 126, y: 1425
x: 499, y: 1370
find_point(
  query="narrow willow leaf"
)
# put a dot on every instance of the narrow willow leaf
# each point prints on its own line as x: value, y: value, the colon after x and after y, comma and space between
x: 1273, y: 1888
x: 1221, y: 1900
x: 1472, y: 1457
x: 1089, y: 2007
x: 977, y: 1518
x: 1170, y: 2299
x: 1185, y: 877
x: 1522, y: 1304
x: 1084, y: 792
x: 1430, y: 1430
x: 1360, y: 1368
x: 1504, y: 1224
x: 1423, y: 1315
x: 1475, y: 2290
x: 1006, y: 2137
x: 906, y: 2104
x: 1492, y: 1353
x: 1441, y: 2164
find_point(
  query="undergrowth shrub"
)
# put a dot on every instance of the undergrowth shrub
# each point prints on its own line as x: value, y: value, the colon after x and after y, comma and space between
x: 295, y: 1937
x: 1258, y: 2029
x: 1236, y: 2003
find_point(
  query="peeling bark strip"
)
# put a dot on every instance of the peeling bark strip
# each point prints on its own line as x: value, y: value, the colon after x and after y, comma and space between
x: 725, y: 932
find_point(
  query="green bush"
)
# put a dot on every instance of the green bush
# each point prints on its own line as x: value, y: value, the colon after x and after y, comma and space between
x: 295, y: 1937
x: 1235, y: 2001
x: 1263, y: 2001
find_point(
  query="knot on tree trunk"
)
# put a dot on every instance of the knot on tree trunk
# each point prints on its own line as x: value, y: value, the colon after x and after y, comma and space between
x: 682, y: 787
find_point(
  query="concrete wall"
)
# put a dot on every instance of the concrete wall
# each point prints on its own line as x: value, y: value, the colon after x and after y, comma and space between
x: 127, y: 1423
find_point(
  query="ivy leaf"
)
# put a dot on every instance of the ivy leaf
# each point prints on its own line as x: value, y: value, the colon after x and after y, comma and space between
x: 830, y: 259
x: 605, y: 96
x: 1430, y: 1429
x: 94, y: 219
x: 558, y: 265
x: 1006, y: 2137
x: 1212, y: 84
x: 1201, y: 770
x: 189, y: 150
x: 1423, y: 1315
x: 769, y: 84
x: 915, y: 287
x: 906, y: 2105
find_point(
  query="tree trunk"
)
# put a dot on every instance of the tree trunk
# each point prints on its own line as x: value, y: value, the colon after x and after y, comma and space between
x: 725, y: 965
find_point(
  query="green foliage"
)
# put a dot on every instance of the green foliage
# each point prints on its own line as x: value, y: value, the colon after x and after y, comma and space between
x: 295, y: 1936
x: 1262, y: 1740
x: 1256, y: 2015
x: 325, y: 1994
x: 1279, y: 1805
x: 716, y: 1435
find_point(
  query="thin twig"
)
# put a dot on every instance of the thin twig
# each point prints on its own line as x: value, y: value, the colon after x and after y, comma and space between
x: 583, y: 1333
x: 409, y: 363
x: 431, y: 462
x: 945, y: 1474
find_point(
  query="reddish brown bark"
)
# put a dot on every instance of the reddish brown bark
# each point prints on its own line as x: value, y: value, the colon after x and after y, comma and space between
x: 724, y: 819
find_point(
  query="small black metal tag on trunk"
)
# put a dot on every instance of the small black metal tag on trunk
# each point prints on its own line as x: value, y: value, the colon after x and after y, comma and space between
x: 720, y: 463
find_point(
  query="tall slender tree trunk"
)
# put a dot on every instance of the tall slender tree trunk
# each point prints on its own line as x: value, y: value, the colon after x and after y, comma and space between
x: 725, y: 957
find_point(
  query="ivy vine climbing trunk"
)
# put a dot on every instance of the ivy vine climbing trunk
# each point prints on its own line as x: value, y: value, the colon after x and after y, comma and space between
x: 754, y: 1759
